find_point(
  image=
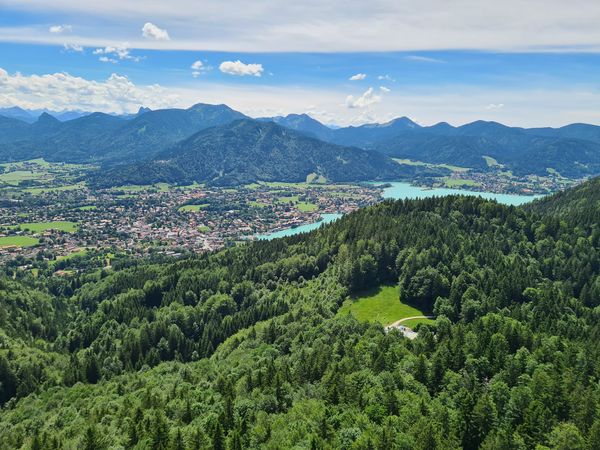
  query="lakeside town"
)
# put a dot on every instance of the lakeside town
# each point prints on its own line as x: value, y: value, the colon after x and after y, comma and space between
x: 140, y: 220
x: 47, y: 213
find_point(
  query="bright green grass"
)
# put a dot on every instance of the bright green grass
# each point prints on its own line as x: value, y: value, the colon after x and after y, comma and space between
x: 163, y: 187
x: 302, y: 206
x: 133, y: 188
x: 256, y: 204
x: 287, y: 199
x: 38, y: 227
x: 491, y: 162
x: 19, y: 241
x: 68, y: 187
x: 17, y: 176
x: 410, y: 162
x: 306, y: 206
x: 379, y: 305
x: 87, y: 208
x: 457, y: 182
x: 203, y: 228
x: 81, y: 252
x: 193, y: 208
x: 315, y: 178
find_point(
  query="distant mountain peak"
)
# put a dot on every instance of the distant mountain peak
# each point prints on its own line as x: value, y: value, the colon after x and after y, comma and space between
x: 46, y: 118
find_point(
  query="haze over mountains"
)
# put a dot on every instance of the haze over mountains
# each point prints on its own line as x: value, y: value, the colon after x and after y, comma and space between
x: 247, y: 150
x: 146, y: 140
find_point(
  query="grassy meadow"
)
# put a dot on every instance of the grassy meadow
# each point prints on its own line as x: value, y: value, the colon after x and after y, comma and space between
x: 381, y: 305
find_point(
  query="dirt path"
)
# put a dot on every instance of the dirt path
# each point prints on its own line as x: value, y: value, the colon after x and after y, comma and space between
x: 398, y: 322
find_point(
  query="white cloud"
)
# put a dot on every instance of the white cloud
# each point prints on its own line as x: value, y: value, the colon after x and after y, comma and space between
x: 151, y: 31
x: 241, y: 69
x: 368, y: 98
x: 384, y: 89
x: 106, y: 59
x: 59, y: 91
x: 424, y: 59
x: 495, y: 106
x: 57, y: 29
x: 73, y: 47
x: 121, y: 52
x: 334, y: 25
x: 358, y: 77
x: 198, y: 68
x: 386, y: 78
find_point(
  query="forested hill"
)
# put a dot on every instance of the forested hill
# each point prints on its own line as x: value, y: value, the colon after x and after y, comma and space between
x: 579, y: 206
x: 244, y: 348
x: 247, y: 151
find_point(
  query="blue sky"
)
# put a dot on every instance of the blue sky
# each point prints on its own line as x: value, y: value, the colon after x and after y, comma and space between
x: 429, y: 62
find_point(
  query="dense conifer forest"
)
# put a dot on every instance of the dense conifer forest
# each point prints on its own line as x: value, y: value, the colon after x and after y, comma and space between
x: 243, y: 348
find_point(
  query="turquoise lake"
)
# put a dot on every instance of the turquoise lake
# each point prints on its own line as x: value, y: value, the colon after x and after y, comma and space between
x: 325, y: 218
x: 397, y: 191
x: 404, y: 190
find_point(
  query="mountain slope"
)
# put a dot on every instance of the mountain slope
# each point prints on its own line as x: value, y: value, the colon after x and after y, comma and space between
x: 105, y: 138
x: 247, y: 151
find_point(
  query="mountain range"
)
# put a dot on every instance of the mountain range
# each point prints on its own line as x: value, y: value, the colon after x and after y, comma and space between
x: 138, y: 140
x: 247, y: 150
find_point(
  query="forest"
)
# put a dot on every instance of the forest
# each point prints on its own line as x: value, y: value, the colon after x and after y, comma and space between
x: 242, y: 348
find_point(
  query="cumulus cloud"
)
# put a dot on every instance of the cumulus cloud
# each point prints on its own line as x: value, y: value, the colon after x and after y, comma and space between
x: 59, y: 91
x: 106, y: 59
x: 57, y: 29
x: 492, y: 106
x: 385, y: 78
x: 73, y: 47
x: 384, y: 89
x: 151, y: 31
x: 241, y: 69
x: 198, y: 68
x: 111, y: 53
x: 358, y: 76
x: 368, y: 98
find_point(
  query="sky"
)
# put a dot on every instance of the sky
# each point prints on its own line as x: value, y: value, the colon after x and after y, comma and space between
x: 519, y: 62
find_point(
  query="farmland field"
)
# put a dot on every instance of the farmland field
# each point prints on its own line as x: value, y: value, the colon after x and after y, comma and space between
x: 193, y: 208
x: 38, y: 227
x: 19, y: 241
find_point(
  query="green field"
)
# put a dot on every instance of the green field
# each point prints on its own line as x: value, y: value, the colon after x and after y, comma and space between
x: 193, y: 208
x: 38, y: 227
x: 491, y: 162
x: 19, y: 241
x: 295, y: 200
x: 81, y: 252
x: 458, y: 182
x: 14, y: 178
x: 380, y: 305
x: 410, y: 162
x: 256, y: 204
x: 68, y: 187
x: 87, y: 208
x: 313, y: 178
x: 203, y: 229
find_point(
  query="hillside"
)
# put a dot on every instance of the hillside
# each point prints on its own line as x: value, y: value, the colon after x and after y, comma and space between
x: 572, y: 150
x: 247, y: 151
x: 243, y: 348
x: 105, y: 138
